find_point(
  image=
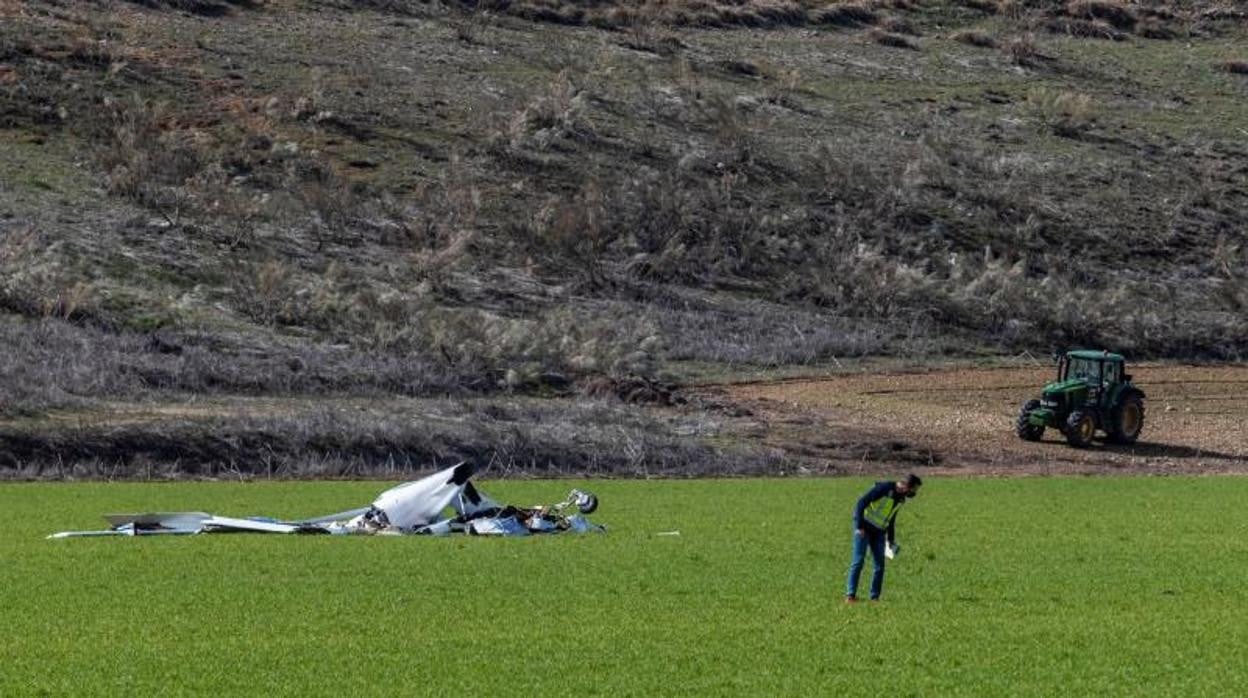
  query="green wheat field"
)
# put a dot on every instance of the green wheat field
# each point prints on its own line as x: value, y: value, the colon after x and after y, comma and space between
x: 1114, y: 586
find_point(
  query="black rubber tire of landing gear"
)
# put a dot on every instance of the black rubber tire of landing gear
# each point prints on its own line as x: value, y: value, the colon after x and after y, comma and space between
x: 1080, y: 428
x: 1127, y: 420
x: 1023, y: 426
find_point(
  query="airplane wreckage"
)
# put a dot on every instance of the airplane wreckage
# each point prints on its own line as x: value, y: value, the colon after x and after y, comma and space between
x: 419, y: 507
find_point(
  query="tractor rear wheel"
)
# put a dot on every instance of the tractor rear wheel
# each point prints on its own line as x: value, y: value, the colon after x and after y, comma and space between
x: 1127, y: 420
x: 1023, y: 426
x: 1080, y: 427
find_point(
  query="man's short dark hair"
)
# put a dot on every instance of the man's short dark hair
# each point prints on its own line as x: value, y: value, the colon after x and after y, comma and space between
x: 913, y: 480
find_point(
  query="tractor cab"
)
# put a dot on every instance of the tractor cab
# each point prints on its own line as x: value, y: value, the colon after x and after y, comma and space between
x: 1092, y: 391
x: 1086, y: 375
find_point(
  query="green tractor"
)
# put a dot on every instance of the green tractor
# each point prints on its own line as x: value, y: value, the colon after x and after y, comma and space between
x: 1092, y: 391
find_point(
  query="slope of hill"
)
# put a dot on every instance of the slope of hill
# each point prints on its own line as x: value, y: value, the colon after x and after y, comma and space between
x: 389, y: 197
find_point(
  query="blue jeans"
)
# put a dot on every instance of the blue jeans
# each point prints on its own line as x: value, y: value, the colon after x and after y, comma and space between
x: 874, y: 538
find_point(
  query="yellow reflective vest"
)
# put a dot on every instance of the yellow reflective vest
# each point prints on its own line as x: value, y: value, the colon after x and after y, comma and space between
x: 881, y: 512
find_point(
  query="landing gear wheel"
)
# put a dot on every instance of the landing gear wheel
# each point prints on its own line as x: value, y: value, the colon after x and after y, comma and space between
x: 1023, y: 426
x: 1127, y: 420
x: 1080, y: 427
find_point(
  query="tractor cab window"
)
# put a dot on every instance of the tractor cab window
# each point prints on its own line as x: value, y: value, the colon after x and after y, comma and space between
x: 1112, y: 371
x: 1084, y: 369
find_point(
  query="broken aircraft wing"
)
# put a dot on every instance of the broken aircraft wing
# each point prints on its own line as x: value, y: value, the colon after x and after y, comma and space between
x: 419, y: 507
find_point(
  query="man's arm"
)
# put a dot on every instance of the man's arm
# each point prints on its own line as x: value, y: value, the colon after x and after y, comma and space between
x: 865, y: 500
x: 892, y: 536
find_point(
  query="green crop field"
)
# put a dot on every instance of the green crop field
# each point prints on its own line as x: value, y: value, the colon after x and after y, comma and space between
x: 1004, y: 587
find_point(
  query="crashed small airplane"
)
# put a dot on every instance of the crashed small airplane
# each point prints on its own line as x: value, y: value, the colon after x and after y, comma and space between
x: 418, y: 507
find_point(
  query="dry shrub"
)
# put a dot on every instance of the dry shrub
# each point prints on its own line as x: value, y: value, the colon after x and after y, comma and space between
x: 466, y: 26
x: 1234, y: 66
x: 34, y: 282
x: 975, y: 38
x: 845, y: 14
x: 1023, y: 50
x: 237, y: 212
x: 898, y: 25
x: 148, y: 157
x: 741, y: 67
x: 273, y: 293
x: 1064, y: 112
x: 205, y: 8
x: 557, y: 111
x: 731, y: 126
x: 884, y: 38
x: 71, y: 302
x: 1086, y: 29
x: 645, y: 36
x: 331, y: 301
x: 1153, y: 28
x: 446, y: 224
x: 324, y: 197
x: 708, y: 13
x: 576, y: 232
x: 634, y: 390
x: 989, y: 6
x: 1013, y: 9
x: 523, y: 353
x: 1227, y: 258
x: 1115, y: 13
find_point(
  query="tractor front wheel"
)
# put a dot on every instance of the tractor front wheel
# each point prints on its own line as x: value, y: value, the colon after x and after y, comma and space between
x: 1023, y: 426
x: 1080, y: 427
x: 1127, y: 420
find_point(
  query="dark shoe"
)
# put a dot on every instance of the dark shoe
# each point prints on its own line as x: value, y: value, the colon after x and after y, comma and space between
x: 851, y: 599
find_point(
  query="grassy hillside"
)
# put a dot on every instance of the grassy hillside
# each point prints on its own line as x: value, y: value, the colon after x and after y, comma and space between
x: 389, y: 197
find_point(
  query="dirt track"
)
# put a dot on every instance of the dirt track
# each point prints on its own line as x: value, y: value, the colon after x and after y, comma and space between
x: 963, y: 420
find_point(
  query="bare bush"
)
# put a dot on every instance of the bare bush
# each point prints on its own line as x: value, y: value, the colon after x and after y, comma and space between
x: 555, y: 113
x: 35, y: 283
x: 206, y: 8
x: 1234, y: 66
x: 1065, y: 113
x: 987, y: 6
x: 1114, y: 13
x: 890, y: 39
x: 1024, y: 51
x: 1153, y: 28
x: 148, y: 158
x: 576, y: 232
x: 845, y: 14
x: 975, y: 38
x: 646, y: 36
x: 324, y: 197
x: 896, y: 24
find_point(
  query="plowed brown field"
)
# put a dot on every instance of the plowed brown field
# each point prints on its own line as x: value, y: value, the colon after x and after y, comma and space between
x: 963, y: 420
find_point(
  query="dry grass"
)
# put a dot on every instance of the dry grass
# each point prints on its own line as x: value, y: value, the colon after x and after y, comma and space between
x: 297, y: 440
